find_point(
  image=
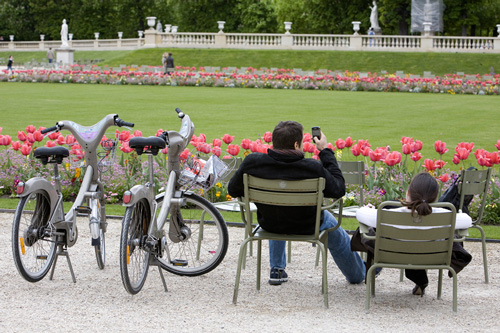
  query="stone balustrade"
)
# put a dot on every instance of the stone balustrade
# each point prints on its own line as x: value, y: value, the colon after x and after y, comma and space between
x: 287, y: 41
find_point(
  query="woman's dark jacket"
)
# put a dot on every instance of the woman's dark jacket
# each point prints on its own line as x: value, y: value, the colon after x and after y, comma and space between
x: 274, y: 165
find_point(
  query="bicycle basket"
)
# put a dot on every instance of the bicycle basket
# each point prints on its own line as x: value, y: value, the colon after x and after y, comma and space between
x: 106, y: 154
x: 197, y: 173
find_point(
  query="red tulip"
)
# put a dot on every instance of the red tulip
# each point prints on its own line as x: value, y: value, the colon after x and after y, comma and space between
x: 462, y: 153
x: 227, y: 139
x: 30, y: 129
x: 185, y: 154
x: 348, y: 142
x: 363, y: 144
x: 26, y: 149
x: 216, y: 150
x: 465, y: 145
x: 263, y: 149
x: 375, y: 155
x: 340, y: 144
x: 494, y: 157
x: 124, y: 136
x: 356, y: 151
x: 430, y: 165
x: 406, y: 149
x: 440, y: 164
x: 54, y: 135
x: 307, y: 137
x: 124, y: 147
x: 456, y: 159
x: 1, y: 128
x: 50, y: 144
x: 444, y: 178
x: 164, y: 150
x: 217, y: 142
x: 440, y: 147
x: 418, y: 145
x: 30, y: 138
x: 38, y: 136
x: 330, y: 145
x: 160, y: 132
x: 268, y: 137
x: 21, y: 136
x: 5, y: 140
x: 498, y: 145
x: 366, y: 151
x: 16, y: 145
x: 416, y: 156
x: 393, y: 158
x: 308, y: 147
x: 60, y: 140
x: 254, y: 146
x: 245, y: 143
x: 70, y: 139
x: 204, y: 148
x: 233, y: 149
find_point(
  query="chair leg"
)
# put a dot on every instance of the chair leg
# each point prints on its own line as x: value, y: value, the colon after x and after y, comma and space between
x: 241, y: 257
x: 289, y: 251
x: 401, y: 275
x: 454, y: 274
x: 370, y: 283
x: 259, y: 262
x: 324, y: 280
x: 317, y: 257
x: 440, y: 283
x: 485, y: 259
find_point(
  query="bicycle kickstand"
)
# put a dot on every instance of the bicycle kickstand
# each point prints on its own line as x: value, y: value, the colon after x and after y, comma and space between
x: 62, y: 251
x: 154, y: 262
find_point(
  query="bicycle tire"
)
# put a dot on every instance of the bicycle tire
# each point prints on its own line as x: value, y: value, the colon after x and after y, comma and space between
x: 100, y: 247
x: 134, y: 259
x: 187, y: 257
x: 33, y: 252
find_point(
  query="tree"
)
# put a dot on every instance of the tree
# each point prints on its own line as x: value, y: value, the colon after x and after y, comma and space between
x: 395, y: 16
x: 257, y: 16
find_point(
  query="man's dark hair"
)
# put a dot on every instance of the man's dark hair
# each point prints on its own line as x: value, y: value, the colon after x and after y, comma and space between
x: 286, y: 133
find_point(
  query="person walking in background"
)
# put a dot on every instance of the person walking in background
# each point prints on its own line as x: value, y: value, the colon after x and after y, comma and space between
x: 164, y: 62
x: 170, y: 64
x: 50, y: 55
x: 9, y: 64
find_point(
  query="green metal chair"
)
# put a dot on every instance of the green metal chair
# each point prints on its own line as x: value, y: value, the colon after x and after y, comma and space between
x: 475, y: 182
x: 354, y: 174
x: 308, y: 192
x: 404, y: 241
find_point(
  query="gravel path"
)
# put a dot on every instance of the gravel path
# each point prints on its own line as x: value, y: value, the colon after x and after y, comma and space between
x: 98, y: 301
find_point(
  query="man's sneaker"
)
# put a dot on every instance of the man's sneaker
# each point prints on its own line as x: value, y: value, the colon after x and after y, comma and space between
x: 278, y: 276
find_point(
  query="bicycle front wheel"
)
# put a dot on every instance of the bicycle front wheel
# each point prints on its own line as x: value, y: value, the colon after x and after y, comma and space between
x: 33, y: 246
x: 134, y: 259
x: 196, y: 237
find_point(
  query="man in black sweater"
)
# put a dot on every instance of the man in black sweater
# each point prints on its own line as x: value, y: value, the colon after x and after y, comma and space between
x: 286, y: 161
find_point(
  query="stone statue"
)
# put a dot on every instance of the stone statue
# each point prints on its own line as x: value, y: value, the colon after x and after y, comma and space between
x: 64, y: 34
x: 159, y: 26
x: 374, y: 16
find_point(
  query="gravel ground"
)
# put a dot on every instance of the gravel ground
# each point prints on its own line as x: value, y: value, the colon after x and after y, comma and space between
x: 98, y: 301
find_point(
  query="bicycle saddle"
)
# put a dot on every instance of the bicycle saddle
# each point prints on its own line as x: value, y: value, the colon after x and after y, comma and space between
x: 56, y: 153
x: 153, y: 144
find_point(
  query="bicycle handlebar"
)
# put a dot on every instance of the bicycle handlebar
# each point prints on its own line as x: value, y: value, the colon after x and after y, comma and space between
x: 179, y: 112
x: 50, y: 129
x: 119, y: 122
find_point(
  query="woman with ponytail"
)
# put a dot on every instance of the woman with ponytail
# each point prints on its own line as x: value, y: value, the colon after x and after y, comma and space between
x: 423, y: 190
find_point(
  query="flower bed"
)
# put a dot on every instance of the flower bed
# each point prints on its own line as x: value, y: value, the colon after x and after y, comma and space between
x: 268, y: 79
x: 389, y: 172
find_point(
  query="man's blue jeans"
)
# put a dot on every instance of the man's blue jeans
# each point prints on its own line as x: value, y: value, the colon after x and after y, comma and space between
x: 339, y: 245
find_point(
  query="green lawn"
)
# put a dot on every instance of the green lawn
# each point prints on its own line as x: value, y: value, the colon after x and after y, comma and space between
x: 382, y: 118
x: 409, y: 62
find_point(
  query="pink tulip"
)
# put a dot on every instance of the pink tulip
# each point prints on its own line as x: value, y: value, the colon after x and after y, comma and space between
x: 125, y: 147
x: 498, y: 145
x: 393, y: 158
x: 416, y: 156
x: 440, y: 164
x: 494, y: 157
x: 26, y: 149
x: 70, y: 139
x: 233, y: 149
x: 406, y: 140
x: 124, y: 136
x: 462, y: 153
x: 375, y: 155
x: 418, y: 145
x: 30, y: 138
x: 456, y: 159
x: 16, y: 145
x: 465, y: 145
x: 38, y: 136
x: 50, y: 144
x: 268, y: 137
x: 348, y: 142
x: 430, y: 165
x: 60, y: 140
x: 366, y: 151
x: 330, y: 145
x: 164, y: 150
x: 21, y: 136
x: 30, y: 129
x: 5, y: 140
x: 185, y: 154
x: 307, y: 137
x: 202, y: 138
x: 254, y: 146
x: 308, y: 147
x: 263, y: 148
x: 160, y: 132
x: 444, y: 178
x: 227, y: 139
x: 440, y: 147
x: 356, y: 151
x: 216, y: 150
x: 363, y: 144
x: 204, y: 148
x: 54, y: 135
x: 137, y: 133
x: 406, y: 149
x: 340, y: 144
x: 217, y: 142
x: 245, y: 143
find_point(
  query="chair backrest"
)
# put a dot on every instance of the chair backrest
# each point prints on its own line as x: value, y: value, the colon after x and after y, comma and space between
x: 403, y: 238
x: 354, y: 174
x: 474, y: 182
x: 279, y: 192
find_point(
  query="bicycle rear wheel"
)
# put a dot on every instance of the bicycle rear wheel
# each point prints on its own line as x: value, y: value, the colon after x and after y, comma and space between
x: 32, y: 246
x: 201, y: 243
x: 134, y: 259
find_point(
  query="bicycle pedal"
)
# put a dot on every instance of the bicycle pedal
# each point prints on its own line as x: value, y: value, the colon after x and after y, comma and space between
x: 41, y: 257
x: 83, y: 209
x: 179, y: 262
